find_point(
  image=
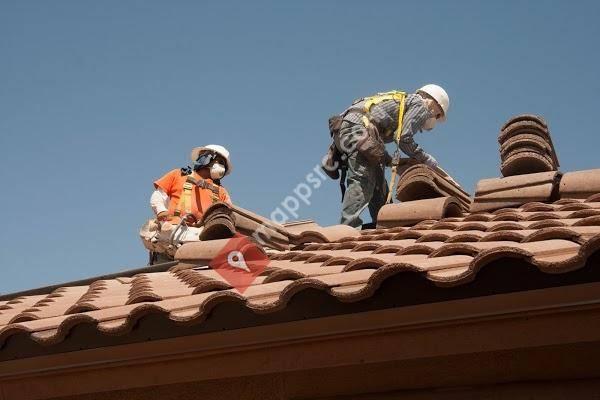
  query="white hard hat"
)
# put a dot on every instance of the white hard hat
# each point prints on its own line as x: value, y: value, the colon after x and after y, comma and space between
x: 439, y: 95
x: 220, y: 150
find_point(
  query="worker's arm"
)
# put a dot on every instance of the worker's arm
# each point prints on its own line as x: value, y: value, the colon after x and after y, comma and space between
x: 414, y: 118
x: 413, y: 150
x: 159, y: 201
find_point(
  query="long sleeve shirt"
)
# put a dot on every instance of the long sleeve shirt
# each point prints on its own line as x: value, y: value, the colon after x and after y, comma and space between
x: 159, y: 201
x: 384, y: 116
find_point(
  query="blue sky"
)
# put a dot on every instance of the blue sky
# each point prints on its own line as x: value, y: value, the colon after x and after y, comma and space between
x: 98, y: 99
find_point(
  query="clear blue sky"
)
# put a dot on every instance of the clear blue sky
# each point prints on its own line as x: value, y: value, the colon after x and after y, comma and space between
x: 99, y: 98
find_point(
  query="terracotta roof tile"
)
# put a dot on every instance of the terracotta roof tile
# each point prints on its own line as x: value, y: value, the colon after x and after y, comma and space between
x: 525, y: 117
x: 247, y: 223
x: 411, y: 212
x: 315, y: 233
x: 526, y: 160
x: 102, y: 294
x: 157, y: 286
x: 56, y: 303
x: 580, y: 184
x: 497, y: 193
x: 522, y: 126
x: 530, y: 141
x: 200, y: 252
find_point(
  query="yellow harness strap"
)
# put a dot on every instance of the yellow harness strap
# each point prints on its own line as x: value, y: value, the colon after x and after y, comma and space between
x: 185, y: 202
x: 397, y: 136
x: 214, y: 189
x: 399, y: 97
x: 379, y: 97
x: 214, y: 197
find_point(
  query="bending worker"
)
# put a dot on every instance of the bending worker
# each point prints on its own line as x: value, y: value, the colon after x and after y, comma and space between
x: 185, y: 193
x: 366, y: 126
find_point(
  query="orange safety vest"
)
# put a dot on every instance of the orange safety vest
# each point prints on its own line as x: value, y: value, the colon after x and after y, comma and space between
x: 186, y: 195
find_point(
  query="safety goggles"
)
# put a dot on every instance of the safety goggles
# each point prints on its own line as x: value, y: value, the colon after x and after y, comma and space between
x: 206, y: 158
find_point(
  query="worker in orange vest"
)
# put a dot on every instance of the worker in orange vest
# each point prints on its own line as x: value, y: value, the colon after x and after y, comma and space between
x: 176, y: 195
x: 180, y: 199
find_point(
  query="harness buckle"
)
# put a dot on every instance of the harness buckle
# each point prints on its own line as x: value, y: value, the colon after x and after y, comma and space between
x: 396, y: 157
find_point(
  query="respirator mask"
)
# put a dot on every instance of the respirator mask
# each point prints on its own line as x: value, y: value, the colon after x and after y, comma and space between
x: 217, y: 171
x: 429, y: 123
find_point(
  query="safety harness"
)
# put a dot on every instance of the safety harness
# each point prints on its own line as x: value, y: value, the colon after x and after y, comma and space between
x: 400, y: 98
x: 185, y: 202
x: 334, y: 164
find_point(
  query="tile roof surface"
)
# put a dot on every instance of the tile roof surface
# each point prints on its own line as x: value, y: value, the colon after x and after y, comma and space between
x: 555, y: 238
x: 547, y: 220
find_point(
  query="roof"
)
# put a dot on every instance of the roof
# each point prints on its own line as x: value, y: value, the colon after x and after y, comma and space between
x: 555, y: 238
x: 546, y: 223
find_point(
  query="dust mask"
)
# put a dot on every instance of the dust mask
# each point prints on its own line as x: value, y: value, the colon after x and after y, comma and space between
x: 217, y: 171
x: 429, y: 124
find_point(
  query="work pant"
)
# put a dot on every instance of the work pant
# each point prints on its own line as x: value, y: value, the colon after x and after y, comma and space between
x: 366, y: 185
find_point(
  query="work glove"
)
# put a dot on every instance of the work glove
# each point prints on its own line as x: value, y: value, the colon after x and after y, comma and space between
x: 162, y: 216
x: 432, y: 162
x: 190, y: 220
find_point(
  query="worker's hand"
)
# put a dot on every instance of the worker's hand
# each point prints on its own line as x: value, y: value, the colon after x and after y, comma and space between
x: 190, y: 220
x: 432, y: 163
x: 162, y: 216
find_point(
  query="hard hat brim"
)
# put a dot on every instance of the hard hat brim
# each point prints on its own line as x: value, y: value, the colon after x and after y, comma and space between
x: 196, y: 152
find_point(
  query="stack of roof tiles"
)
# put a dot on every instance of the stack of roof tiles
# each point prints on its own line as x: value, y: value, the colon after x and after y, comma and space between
x: 526, y: 146
x: 418, y: 182
x: 529, y: 168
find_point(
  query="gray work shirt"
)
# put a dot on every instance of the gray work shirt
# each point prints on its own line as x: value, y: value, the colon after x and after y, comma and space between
x: 384, y: 116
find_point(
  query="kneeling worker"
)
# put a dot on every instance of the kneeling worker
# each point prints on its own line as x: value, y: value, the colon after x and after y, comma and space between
x: 175, y: 197
x: 364, y: 128
x: 185, y: 194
